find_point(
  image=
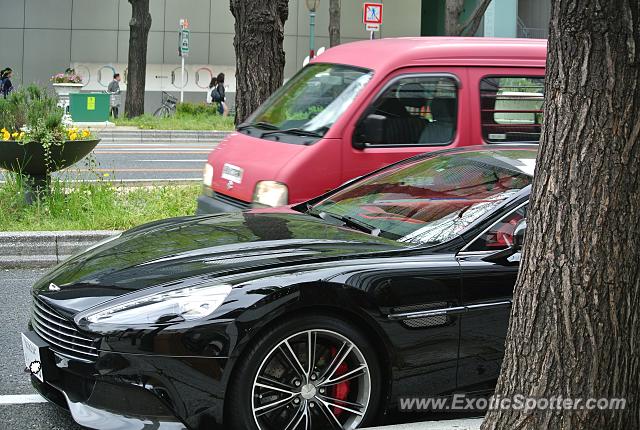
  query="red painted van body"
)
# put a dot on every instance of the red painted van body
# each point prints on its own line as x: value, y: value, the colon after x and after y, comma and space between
x: 491, y: 88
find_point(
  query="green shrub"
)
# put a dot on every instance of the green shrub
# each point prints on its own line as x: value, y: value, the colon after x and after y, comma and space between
x: 29, y: 106
x: 197, y: 108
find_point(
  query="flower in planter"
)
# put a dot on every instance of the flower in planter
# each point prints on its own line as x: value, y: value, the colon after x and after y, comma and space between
x: 68, y: 77
x: 5, y: 134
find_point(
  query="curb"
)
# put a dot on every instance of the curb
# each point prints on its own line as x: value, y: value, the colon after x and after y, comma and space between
x: 458, y: 424
x: 162, y: 136
x: 28, y: 250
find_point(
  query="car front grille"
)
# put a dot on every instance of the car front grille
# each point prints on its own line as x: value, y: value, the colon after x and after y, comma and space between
x: 60, y: 333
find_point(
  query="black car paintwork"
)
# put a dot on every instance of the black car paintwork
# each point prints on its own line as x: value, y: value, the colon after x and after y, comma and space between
x: 284, y: 263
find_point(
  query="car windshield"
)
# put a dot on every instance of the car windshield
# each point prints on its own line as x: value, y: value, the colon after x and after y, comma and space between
x: 431, y: 200
x: 313, y: 99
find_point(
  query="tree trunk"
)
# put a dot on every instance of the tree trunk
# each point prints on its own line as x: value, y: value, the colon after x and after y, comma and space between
x: 137, y: 68
x: 334, y: 22
x: 259, y: 50
x: 575, y: 323
x: 453, y: 13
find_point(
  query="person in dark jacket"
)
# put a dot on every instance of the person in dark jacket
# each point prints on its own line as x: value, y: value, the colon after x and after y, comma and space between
x: 5, y: 78
x: 223, y: 109
x: 114, y: 90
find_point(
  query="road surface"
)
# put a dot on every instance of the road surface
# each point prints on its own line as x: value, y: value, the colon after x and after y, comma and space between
x: 142, y: 161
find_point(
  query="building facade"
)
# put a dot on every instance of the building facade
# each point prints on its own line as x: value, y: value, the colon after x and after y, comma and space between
x: 42, y: 37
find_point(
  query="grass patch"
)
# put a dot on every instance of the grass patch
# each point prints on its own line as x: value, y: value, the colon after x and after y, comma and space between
x: 92, y: 206
x: 180, y: 121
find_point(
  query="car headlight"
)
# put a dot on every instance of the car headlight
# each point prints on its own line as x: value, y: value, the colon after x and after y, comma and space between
x: 168, y: 306
x: 207, y: 175
x: 271, y: 193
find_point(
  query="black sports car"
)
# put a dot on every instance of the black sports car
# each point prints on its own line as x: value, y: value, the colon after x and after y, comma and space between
x: 321, y: 315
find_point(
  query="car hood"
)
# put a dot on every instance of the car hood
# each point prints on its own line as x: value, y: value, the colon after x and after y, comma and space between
x: 211, y: 246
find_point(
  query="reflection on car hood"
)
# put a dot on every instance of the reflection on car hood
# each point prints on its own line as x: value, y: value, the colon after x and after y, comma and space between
x: 211, y: 246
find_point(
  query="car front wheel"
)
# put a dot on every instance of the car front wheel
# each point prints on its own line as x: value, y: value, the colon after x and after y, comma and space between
x: 308, y: 373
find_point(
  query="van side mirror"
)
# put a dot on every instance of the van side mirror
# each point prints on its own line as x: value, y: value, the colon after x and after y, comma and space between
x: 370, y: 131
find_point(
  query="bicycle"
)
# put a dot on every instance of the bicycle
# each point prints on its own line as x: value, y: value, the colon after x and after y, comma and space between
x: 168, y: 107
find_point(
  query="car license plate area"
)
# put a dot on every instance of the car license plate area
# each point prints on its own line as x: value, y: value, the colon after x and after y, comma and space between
x: 33, y: 349
x: 232, y: 173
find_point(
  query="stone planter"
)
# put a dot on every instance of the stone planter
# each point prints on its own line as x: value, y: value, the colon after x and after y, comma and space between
x: 29, y: 158
x: 63, y: 91
x: 67, y: 88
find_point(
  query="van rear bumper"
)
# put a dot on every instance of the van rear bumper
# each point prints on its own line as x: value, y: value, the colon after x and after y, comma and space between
x: 210, y: 202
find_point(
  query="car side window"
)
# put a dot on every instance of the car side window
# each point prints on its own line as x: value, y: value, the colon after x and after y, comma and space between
x: 500, y: 235
x: 511, y: 108
x: 417, y: 110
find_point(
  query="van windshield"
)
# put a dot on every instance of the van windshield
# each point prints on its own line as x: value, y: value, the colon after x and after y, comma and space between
x: 312, y: 100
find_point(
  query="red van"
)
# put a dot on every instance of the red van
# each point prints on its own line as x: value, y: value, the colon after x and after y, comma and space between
x: 363, y: 105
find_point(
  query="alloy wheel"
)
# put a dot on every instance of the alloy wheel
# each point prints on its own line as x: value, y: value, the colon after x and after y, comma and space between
x: 314, y: 379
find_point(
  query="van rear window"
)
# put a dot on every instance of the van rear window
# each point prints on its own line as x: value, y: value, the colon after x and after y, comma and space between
x: 511, y: 108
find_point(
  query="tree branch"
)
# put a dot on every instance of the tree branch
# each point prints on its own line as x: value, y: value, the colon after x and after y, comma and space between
x: 470, y: 27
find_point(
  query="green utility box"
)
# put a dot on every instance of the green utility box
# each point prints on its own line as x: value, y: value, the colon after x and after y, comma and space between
x: 90, y: 107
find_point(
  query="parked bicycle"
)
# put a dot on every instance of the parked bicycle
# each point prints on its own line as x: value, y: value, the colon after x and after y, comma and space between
x: 168, y: 107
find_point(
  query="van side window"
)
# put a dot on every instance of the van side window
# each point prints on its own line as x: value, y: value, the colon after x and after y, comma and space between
x: 416, y: 110
x: 511, y: 108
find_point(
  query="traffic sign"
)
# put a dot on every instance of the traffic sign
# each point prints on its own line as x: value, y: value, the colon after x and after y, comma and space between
x: 184, y: 36
x: 372, y: 13
x: 372, y: 27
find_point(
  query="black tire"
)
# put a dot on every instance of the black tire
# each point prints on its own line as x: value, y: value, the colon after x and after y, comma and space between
x: 239, y: 402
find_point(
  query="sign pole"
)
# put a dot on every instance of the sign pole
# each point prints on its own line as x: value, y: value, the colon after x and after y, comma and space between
x: 182, y: 82
x: 183, y: 51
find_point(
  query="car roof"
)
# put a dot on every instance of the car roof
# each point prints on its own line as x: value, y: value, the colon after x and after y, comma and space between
x: 398, y: 52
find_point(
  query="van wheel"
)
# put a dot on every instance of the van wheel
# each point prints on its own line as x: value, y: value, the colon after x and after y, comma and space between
x: 307, y: 373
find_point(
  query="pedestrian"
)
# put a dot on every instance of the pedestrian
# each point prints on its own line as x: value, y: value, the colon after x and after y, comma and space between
x: 6, y: 86
x: 114, y: 90
x: 212, y: 85
x: 222, y: 106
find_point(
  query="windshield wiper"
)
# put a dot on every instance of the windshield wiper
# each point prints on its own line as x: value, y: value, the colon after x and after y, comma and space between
x: 352, y: 222
x: 260, y: 124
x: 295, y: 131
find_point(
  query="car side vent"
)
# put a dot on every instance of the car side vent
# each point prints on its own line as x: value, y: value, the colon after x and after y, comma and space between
x: 431, y: 321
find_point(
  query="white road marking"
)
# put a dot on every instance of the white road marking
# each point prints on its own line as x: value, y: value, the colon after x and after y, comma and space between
x: 174, y: 161
x: 21, y: 399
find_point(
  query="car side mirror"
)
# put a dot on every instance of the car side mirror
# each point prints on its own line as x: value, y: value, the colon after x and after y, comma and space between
x: 518, y: 235
x: 503, y: 255
x: 370, y: 131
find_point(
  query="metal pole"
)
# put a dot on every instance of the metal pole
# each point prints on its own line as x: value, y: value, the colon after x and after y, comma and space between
x: 312, y: 31
x: 182, y: 82
x: 372, y: 36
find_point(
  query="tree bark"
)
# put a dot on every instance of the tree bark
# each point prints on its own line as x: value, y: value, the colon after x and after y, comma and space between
x: 334, y: 22
x: 137, y: 67
x: 453, y: 13
x: 575, y: 323
x: 259, y: 50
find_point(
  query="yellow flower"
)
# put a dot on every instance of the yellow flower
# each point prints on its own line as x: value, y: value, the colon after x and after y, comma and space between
x: 5, y: 134
x: 85, y: 134
x: 15, y: 135
x: 106, y: 175
x: 73, y: 136
x: 21, y: 135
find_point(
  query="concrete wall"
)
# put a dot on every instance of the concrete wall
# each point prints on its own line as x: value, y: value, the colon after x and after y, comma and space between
x: 43, y: 37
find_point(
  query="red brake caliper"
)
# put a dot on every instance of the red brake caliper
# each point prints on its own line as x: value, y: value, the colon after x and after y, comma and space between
x: 341, y: 390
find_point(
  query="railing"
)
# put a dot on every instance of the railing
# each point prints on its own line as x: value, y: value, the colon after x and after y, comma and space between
x: 530, y: 32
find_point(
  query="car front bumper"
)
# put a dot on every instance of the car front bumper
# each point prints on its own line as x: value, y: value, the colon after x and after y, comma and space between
x: 210, y: 202
x: 135, y: 390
